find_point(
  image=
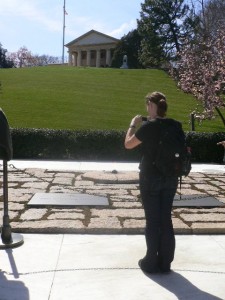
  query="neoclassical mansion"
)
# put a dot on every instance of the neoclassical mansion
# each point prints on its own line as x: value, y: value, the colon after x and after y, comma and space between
x: 92, y: 49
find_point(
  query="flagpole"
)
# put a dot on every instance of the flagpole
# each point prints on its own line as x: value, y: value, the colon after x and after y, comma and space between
x: 64, y: 13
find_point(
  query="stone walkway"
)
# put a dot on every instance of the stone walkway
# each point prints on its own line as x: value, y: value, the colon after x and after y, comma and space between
x: 123, y: 215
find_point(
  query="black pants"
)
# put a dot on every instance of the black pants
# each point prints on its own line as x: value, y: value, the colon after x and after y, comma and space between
x: 157, y: 195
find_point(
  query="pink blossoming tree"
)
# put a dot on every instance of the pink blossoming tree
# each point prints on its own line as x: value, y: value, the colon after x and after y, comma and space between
x: 201, y: 72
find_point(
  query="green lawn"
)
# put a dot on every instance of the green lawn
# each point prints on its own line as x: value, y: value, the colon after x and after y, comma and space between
x: 88, y: 98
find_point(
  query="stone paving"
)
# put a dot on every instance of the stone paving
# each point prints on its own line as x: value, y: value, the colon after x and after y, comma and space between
x: 124, y: 214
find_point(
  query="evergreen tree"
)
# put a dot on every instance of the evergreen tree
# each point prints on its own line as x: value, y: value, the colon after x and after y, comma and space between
x: 4, y: 61
x: 128, y: 45
x: 163, y: 25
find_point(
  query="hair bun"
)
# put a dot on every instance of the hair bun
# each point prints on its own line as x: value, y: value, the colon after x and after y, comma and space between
x: 162, y: 107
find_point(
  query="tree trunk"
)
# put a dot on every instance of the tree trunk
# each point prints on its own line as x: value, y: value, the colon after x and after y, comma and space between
x: 220, y: 114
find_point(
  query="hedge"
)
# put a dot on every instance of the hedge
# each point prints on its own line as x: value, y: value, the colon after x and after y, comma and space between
x: 101, y: 145
x: 71, y: 145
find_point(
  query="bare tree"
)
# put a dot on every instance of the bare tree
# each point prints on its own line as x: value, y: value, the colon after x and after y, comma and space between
x: 24, y: 58
x: 210, y: 14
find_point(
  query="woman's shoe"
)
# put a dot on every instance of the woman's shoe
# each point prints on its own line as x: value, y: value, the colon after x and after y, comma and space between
x: 165, y: 268
x: 147, y: 268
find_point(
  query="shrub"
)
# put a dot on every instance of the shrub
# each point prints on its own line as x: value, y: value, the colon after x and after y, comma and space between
x: 101, y: 145
x: 204, y: 147
x: 72, y: 145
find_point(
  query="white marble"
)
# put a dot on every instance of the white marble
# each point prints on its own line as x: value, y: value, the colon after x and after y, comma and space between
x: 102, y: 166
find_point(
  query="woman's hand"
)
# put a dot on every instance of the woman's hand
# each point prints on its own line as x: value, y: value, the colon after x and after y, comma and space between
x: 136, y: 121
x: 221, y: 143
x: 130, y: 140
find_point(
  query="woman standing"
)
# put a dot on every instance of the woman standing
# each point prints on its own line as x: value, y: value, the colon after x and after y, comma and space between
x: 157, y: 190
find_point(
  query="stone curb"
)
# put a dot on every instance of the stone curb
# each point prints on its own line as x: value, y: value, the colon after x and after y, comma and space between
x: 124, y: 215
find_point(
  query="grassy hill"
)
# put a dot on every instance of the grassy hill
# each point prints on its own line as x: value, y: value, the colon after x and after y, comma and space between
x: 60, y: 97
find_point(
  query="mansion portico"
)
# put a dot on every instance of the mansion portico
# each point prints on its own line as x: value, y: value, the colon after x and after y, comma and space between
x: 93, y: 49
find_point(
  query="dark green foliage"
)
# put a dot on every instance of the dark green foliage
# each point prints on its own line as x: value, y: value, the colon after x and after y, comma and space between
x: 204, y: 146
x: 128, y: 45
x: 67, y: 144
x: 4, y: 61
x: 163, y: 25
x: 101, y: 145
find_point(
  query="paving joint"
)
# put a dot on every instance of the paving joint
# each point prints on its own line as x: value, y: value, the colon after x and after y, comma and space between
x: 124, y: 215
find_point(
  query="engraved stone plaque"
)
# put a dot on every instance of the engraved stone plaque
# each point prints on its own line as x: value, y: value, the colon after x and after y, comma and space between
x: 196, y: 201
x: 63, y: 199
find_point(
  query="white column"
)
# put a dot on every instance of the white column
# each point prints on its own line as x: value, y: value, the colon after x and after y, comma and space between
x: 98, y: 58
x: 88, y: 58
x: 70, y: 62
x: 79, y: 58
x: 74, y: 59
x: 108, y: 57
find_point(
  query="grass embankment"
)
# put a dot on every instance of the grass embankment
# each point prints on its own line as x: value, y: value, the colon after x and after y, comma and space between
x: 88, y: 98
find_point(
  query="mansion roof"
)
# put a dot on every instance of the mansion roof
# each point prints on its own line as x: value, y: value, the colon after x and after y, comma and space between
x: 92, y: 37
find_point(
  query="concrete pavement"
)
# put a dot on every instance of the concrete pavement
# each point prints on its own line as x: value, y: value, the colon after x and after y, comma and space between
x: 100, y: 267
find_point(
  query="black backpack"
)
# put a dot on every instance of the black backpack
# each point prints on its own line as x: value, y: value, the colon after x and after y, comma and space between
x: 173, y: 157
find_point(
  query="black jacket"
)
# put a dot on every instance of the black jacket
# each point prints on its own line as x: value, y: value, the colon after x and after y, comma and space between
x: 6, y: 149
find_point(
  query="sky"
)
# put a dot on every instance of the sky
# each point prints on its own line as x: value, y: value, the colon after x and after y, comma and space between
x: 38, y: 24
